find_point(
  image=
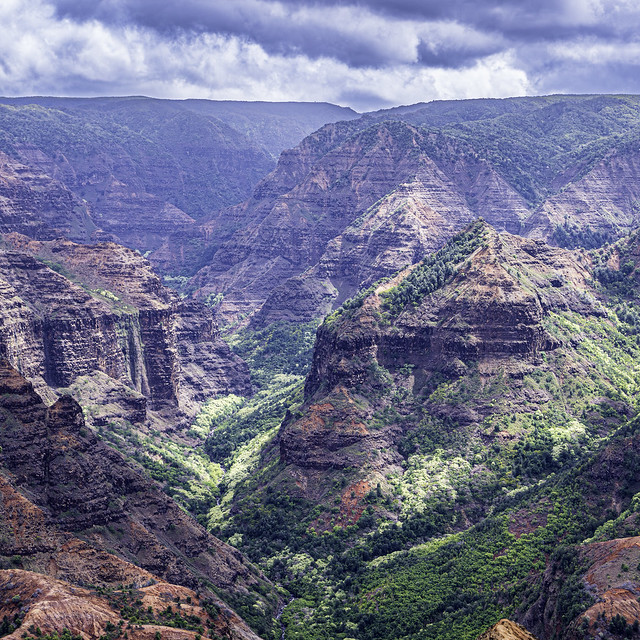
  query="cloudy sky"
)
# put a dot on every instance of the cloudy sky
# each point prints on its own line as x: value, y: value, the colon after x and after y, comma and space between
x: 365, y: 54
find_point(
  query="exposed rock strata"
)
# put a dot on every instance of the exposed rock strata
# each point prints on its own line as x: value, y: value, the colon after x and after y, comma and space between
x: 109, y: 313
x: 488, y: 319
x: 52, y: 606
x: 506, y: 630
x: 320, y: 207
x: 358, y: 200
x: 604, y: 201
x: 35, y: 204
x: 76, y: 484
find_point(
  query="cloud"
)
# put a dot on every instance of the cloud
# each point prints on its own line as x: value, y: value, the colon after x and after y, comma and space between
x: 353, y: 34
x: 365, y: 53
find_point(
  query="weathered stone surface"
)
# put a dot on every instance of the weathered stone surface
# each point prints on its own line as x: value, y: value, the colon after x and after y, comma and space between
x: 54, y: 605
x: 490, y: 316
x: 37, y: 205
x: 77, y: 484
x: 109, y: 313
x: 338, y: 214
x: 604, y: 201
x: 207, y: 365
x: 506, y: 630
x: 137, y: 170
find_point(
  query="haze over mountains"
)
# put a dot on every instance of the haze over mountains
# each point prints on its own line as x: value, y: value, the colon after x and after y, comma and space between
x: 397, y: 369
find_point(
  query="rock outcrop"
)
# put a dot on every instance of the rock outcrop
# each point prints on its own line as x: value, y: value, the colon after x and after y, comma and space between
x: 485, y: 321
x: 506, y: 630
x: 71, y: 310
x: 72, y: 508
x: 34, y: 601
x: 337, y: 213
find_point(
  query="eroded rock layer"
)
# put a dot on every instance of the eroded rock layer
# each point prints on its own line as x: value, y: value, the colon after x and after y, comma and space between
x: 70, y: 310
x: 73, y: 509
x: 487, y: 320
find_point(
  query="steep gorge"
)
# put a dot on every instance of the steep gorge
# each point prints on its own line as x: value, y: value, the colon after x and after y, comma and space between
x: 358, y: 200
x: 73, y: 509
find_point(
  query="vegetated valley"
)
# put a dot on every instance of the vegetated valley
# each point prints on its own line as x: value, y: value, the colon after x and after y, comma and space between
x: 286, y: 371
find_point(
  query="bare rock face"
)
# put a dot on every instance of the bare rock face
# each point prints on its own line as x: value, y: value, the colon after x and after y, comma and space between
x: 207, y: 364
x: 121, y: 210
x: 604, y: 201
x: 140, y: 171
x: 35, y: 204
x: 71, y: 310
x: 356, y: 201
x: 78, y: 485
x: 144, y: 169
x: 336, y: 214
x: 506, y: 630
x: 53, y: 606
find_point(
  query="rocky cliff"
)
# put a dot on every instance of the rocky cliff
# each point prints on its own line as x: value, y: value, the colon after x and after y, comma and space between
x: 349, y: 209
x: 70, y: 310
x: 36, y: 205
x: 358, y: 200
x: 601, y: 205
x: 424, y: 333
x: 73, y: 509
x: 140, y: 171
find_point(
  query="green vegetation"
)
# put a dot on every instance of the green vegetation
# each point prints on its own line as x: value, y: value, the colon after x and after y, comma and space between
x: 531, y: 142
x: 54, y: 635
x: 435, y: 270
x: 253, y: 417
x: 127, y: 601
x: 9, y: 625
x: 457, y: 585
x: 282, y: 347
x: 461, y: 531
x: 572, y: 236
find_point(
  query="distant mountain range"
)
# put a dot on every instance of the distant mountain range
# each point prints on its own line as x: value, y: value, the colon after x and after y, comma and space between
x: 137, y: 170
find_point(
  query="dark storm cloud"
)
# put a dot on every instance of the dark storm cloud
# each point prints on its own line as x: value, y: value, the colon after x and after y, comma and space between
x: 354, y: 33
x: 453, y: 57
x: 271, y: 27
x: 291, y: 28
x: 366, y: 33
x: 284, y: 32
x: 366, y: 53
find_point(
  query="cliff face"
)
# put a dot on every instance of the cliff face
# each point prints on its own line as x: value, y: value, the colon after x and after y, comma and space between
x: 83, y: 499
x: 101, y: 308
x: 140, y: 171
x: 358, y: 200
x: 602, y: 203
x: 151, y: 156
x: 350, y: 209
x: 35, y: 204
